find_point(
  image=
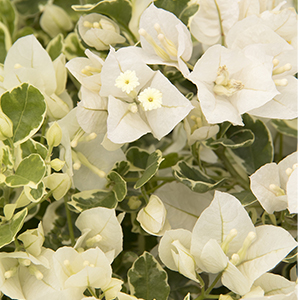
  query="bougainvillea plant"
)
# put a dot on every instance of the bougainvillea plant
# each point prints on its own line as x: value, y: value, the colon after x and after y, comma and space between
x: 148, y: 149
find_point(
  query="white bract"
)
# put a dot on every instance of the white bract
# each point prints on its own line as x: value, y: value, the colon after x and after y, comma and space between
x: 153, y: 217
x: 99, y: 32
x: 28, y: 61
x: 139, y: 99
x: 272, y: 187
x: 232, y: 82
x: 225, y: 240
x: 165, y: 39
x: 100, y: 228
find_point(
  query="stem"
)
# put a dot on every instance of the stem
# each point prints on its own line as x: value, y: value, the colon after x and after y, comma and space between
x: 220, y: 152
x: 42, y: 139
x: 191, y: 67
x: 92, y: 292
x: 221, y: 25
x: 213, y: 284
x: 280, y: 147
x: 69, y: 220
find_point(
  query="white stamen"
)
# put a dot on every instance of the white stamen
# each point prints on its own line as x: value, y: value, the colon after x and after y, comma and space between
x: 280, y: 70
x: 276, y: 190
x: 133, y: 108
x: 275, y: 62
x: 17, y: 66
x: 281, y: 82
x: 225, y: 245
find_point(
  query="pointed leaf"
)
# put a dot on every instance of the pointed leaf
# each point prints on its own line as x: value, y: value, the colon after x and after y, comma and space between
x: 119, y: 185
x: 137, y: 157
x: 73, y: 47
x: 31, y: 146
x: 9, y: 230
x: 30, y: 171
x: 194, y: 178
x: 5, y: 41
x: 152, y: 166
x: 93, y: 198
x: 55, y: 46
x: 147, y: 279
x: 35, y: 195
x: 26, y: 108
x: 284, y: 127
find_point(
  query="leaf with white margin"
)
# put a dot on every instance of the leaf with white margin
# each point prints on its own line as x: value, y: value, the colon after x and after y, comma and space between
x: 147, y: 279
x: 224, y: 214
x: 58, y: 183
x: 183, y: 214
x: 286, y: 127
x: 26, y: 108
x: 30, y: 172
x: 272, y: 244
x: 9, y: 230
x: 35, y: 64
x: 101, y: 221
x: 118, y: 184
x: 35, y: 194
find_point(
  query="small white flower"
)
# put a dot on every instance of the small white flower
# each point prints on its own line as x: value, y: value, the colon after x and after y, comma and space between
x: 127, y: 81
x: 150, y: 98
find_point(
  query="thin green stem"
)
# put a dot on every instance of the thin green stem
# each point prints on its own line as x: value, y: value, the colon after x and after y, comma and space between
x: 92, y: 292
x: 220, y: 152
x: 69, y: 220
x: 221, y: 25
x: 280, y: 147
x: 213, y: 284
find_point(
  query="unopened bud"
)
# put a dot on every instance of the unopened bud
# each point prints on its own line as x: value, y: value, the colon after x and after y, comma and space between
x: 6, y: 126
x: 54, y: 135
x: 57, y: 164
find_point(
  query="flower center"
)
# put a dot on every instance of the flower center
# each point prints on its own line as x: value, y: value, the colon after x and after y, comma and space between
x: 127, y: 81
x: 225, y: 86
x: 150, y: 99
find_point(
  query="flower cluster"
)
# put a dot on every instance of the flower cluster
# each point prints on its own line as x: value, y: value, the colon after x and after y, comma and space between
x: 148, y: 150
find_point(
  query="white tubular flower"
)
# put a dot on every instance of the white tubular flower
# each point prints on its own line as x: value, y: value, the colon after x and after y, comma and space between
x: 165, y: 39
x: 100, y: 228
x: 139, y: 99
x: 275, y: 185
x: 99, y: 32
x: 213, y: 17
x: 232, y: 245
x: 231, y: 83
x: 153, y: 217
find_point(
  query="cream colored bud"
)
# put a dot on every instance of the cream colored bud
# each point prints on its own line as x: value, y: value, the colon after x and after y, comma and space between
x: 6, y: 126
x: 54, y: 135
x: 57, y: 164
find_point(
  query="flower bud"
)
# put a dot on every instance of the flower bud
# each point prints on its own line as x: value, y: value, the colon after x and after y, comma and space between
x: 55, y: 20
x: 54, y: 135
x: 99, y: 31
x: 6, y: 126
x: 57, y: 164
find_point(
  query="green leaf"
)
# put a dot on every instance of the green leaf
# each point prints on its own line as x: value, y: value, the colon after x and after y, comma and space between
x: 170, y: 160
x: 194, y: 178
x: 177, y: 7
x: 93, y: 198
x: 35, y: 195
x: 246, y: 197
x: 9, y: 230
x: 26, y: 107
x: 137, y: 157
x: 28, y: 7
x: 73, y: 47
x: 284, y: 127
x: 31, y: 146
x: 7, y: 15
x: 189, y: 11
x: 5, y: 42
x: 122, y: 167
x: 30, y: 171
x: 119, y: 10
x: 119, y: 185
x: 235, y: 139
x: 261, y: 150
x: 152, y: 166
x: 147, y: 279
x: 6, y: 158
x: 56, y: 46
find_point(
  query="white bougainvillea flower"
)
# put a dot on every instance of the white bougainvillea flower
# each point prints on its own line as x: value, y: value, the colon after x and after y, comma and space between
x: 139, y: 99
x: 252, y: 34
x: 165, y: 39
x: 153, y: 217
x: 196, y: 125
x: 100, y: 228
x: 90, y: 268
x: 272, y: 187
x: 28, y: 61
x: 174, y: 252
x: 99, y: 32
x: 225, y: 240
x: 231, y: 83
x: 213, y: 20
x: 87, y: 161
x: 273, y: 287
x: 182, y: 214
